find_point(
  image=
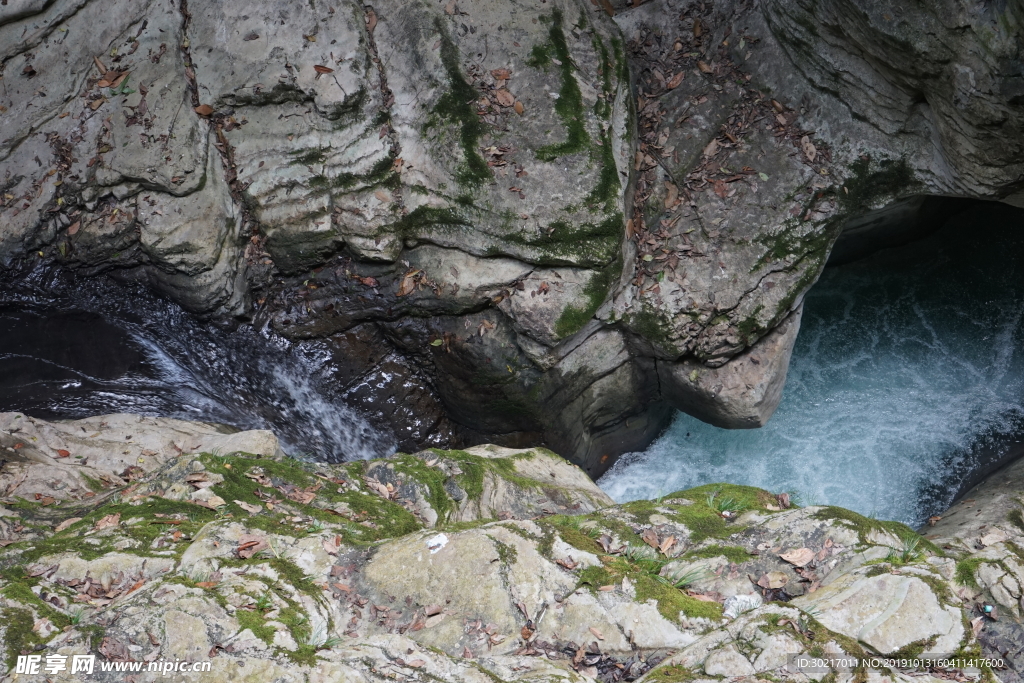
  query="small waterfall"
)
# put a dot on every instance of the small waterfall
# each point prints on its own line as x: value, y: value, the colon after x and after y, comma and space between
x: 91, y: 347
x: 907, y: 379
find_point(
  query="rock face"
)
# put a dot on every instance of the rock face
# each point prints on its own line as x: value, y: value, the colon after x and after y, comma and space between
x: 551, y: 217
x: 484, y: 565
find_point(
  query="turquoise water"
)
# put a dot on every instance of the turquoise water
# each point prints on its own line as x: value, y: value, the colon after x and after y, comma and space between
x: 908, y: 365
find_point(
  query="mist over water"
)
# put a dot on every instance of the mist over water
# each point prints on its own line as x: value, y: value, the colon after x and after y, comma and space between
x: 101, y: 347
x: 907, y: 376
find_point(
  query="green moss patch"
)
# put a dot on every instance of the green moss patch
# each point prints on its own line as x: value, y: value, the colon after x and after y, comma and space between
x: 572, y: 318
x: 865, y: 525
x: 455, y: 107
x: 569, y: 105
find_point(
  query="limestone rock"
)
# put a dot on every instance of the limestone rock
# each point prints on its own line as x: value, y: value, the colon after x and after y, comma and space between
x: 887, y: 612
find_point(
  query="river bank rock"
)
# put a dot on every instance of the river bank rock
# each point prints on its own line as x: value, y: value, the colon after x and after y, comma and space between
x: 504, y: 563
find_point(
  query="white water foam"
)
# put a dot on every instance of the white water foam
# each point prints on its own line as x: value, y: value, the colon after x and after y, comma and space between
x: 907, y: 365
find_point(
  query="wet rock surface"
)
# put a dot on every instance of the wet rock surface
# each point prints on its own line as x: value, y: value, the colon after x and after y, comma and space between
x: 547, y: 211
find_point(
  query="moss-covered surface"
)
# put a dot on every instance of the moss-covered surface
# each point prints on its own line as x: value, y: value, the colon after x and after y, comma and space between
x: 596, y: 290
x: 966, y: 571
x: 569, y: 105
x: 454, y: 107
x: 865, y: 525
x: 732, y: 553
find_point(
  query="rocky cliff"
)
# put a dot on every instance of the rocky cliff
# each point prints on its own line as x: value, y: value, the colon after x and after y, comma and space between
x: 147, y: 540
x: 564, y: 218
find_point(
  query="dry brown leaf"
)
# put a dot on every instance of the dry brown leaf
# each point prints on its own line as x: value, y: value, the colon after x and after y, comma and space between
x: 609, y: 587
x: 96, y: 104
x: 416, y: 663
x: 674, y: 82
x: 704, y: 67
x: 504, y: 97
x: 382, y: 195
x: 248, y: 507
x: 321, y: 69
x: 808, y: 147
x: 519, y: 108
x: 702, y: 597
x: 667, y: 544
x: 773, y: 580
x: 250, y: 544
x: 73, y: 228
x: 119, y: 79
x: 501, y: 74
x: 408, y: 284
x: 451, y: 8
x: 331, y: 545
x: 66, y: 523
x: 650, y: 537
x: 204, y: 110
x: 109, y: 521
x: 712, y: 148
x: 798, y: 557
x: 99, y: 65
x: 207, y: 584
x: 61, y: 453
x: 671, y: 194
x: 598, y: 634
x: 304, y: 497
x: 371, y: 20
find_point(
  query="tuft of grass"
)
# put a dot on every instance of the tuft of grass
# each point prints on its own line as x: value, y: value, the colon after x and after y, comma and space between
x: 966, y: 570
x: 908, y: 553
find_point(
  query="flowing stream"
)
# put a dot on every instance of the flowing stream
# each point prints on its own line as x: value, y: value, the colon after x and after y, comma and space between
x: 906, y: 383
x: 73, y: 349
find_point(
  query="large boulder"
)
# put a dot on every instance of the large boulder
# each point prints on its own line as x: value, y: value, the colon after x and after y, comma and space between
x: 493, y: 562
x: 562, y: 224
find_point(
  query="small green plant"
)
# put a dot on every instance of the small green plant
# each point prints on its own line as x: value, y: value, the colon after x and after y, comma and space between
x: 724, y: 504
x: 909, y: 553
x: 685, y: 579
x: 330, y: 642
x: 76, y: 616
x: 317, y: 526
x: 263, y: 603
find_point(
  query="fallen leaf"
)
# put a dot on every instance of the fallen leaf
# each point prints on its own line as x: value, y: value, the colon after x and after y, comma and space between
x: 598, y: 634
x: 703, y: 66
x: 934, y: 519
x: 711, y: 149
x: 518, y: 106
x: 783, y: 498
x: 321, y: 69
x: 773, y: 580
x: 504, y: 97
x: 18, y: 445
x: 450, y: 8
x: 408, y: 283
x: 331, y: 545
x: 99, y: 65
x: 808, y: 147
x: 73, y: 228
x: 416, y: 663
x: 671, y: 195
x: 109, y: 521
x: 95, y: 104
x: 304, y: 497
x: 674, y: 82
x: 371, y: 21
x: 609, y: 587
x: 702, y: 597
x: 204, y: 110
x: 250, y: 544
x: 501, y: 74
x: 667, y: 544
x: 207, y: 584
x: 650, y: 537
x: 61, y: 453
x: 798, y: 557
x: 382, y: 195
x: 248, y: 507
x: 976, y: 625
x: 66, y: 523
